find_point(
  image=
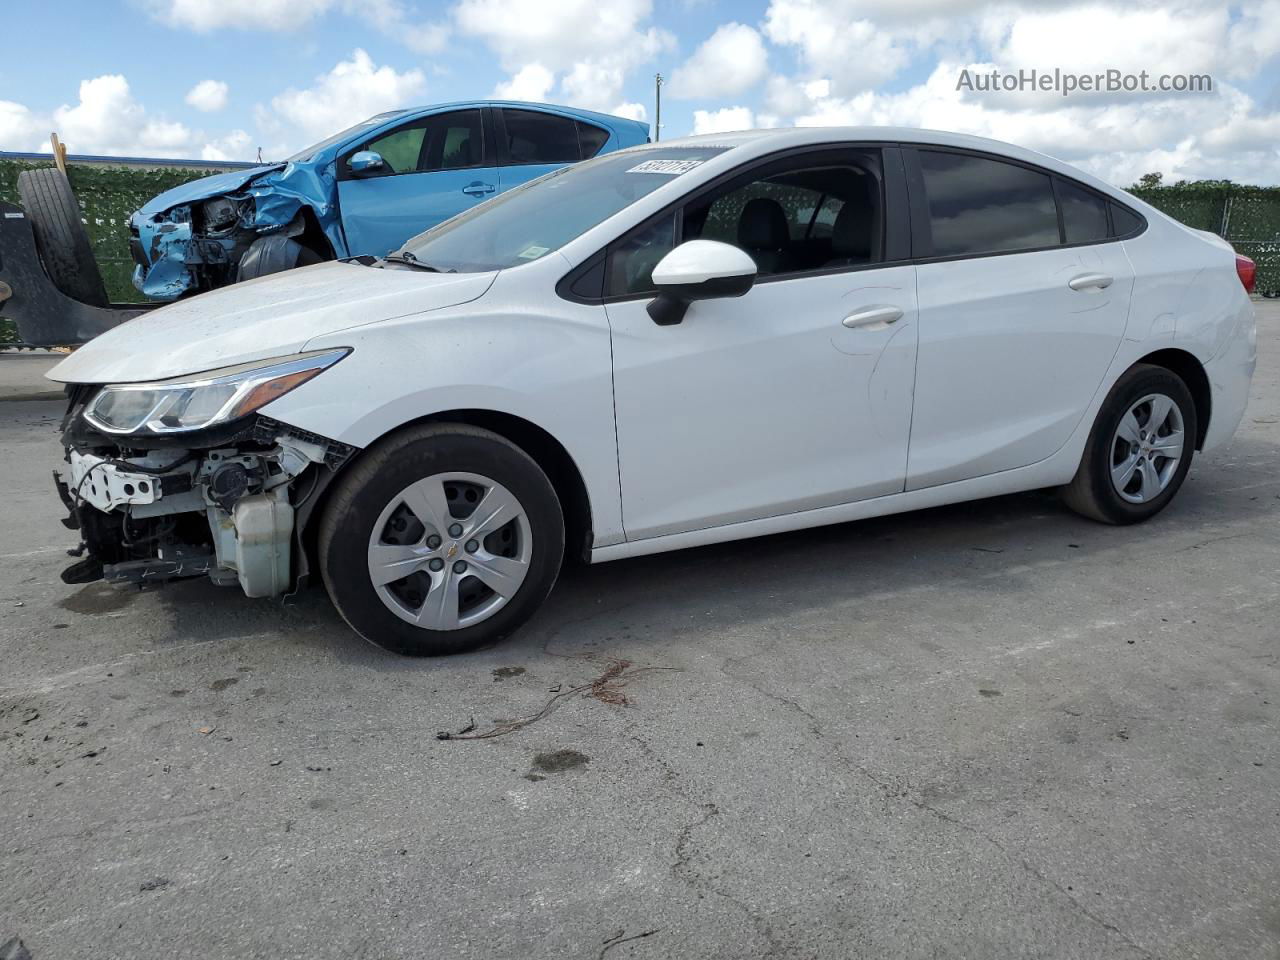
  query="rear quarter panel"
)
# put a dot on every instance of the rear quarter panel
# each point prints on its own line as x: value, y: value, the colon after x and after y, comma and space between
x: 1187, y: 295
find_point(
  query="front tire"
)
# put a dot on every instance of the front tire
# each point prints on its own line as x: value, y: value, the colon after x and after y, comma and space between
x: 274, y: 254
x: 441, y: 539
x: 1139, y: 451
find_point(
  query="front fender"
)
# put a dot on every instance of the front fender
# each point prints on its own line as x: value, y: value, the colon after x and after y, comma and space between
x: 551, y: 368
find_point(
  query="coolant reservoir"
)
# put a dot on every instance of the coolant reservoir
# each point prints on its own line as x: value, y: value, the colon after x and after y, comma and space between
x: 264, y: 539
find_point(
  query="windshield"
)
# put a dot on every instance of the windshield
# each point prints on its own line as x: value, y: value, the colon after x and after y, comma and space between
x: 531, y: 221
x: 315, y: 148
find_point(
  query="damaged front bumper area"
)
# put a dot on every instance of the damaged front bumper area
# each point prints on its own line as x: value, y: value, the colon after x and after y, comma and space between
x: 229, y: 503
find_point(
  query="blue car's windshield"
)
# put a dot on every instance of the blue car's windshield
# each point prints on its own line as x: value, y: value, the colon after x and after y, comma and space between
x: 315, y: 148
x: 531, y: 221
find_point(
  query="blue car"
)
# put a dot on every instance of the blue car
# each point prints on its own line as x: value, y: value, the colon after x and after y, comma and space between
x: 361, y: 192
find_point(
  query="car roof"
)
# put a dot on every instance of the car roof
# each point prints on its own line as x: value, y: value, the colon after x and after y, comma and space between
x: 527, y: 105
x: 746, y: 143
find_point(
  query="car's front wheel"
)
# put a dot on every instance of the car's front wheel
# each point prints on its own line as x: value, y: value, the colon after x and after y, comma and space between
x: 441, y: 539
x: 1140, y: 449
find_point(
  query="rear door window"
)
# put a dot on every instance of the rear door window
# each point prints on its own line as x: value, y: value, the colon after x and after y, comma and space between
x: 534, y: 137
x: 982, y: 206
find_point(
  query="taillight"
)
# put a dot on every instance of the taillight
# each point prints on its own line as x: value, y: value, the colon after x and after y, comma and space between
x: 1248, y: 272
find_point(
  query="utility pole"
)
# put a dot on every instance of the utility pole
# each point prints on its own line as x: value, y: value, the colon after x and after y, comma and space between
x: 657, y: 112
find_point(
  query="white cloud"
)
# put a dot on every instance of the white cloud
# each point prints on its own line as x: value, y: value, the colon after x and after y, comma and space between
x: 531, y: 82
x: 834, y: 42
x: 20, y: 129
x: 208, y: 95
x: 204, y: 15
x: 590, y: 46
x: 399, y: 20
x: 723, y: 121
x: 732, y: 60
x: 236, y: 145
x: 353, y: 90
x: 108, y: 120
x: 632, y: 111
x: 1207, y: 136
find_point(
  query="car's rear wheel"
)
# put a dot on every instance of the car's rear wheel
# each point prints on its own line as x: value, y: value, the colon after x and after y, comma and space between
x: 442, y: 539
x: 61, y: 238
x: 1139, y: 451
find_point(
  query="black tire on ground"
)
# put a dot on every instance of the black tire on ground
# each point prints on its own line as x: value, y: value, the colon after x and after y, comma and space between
x: 61, y: 238
x: 1091, y: 492
x: 386, y: 469
x: 275, y: 254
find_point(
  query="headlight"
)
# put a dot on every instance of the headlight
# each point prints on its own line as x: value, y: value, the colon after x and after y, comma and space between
x: 203, y: 400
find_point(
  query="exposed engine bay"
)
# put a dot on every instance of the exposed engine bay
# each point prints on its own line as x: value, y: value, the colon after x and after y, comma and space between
x: 230, y: 503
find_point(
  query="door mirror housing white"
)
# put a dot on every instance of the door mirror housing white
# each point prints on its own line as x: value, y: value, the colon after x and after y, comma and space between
x: 698, y: 270
x: 365, y: 161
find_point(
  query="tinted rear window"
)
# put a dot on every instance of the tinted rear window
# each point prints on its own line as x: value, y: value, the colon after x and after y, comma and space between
x: 590, y: 139
x: 1084, y: 213
x: 1124, y: 221
x: 540, y: 137
x: 977, y: 205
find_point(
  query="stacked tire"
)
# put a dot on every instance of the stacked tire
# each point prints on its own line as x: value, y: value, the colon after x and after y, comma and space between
x: 61, y: 238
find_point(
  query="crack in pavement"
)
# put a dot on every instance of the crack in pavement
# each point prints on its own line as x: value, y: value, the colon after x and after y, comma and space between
x: 891, y: 790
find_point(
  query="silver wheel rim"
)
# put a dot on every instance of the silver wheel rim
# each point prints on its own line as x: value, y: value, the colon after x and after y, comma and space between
x: 449, y: 551
x: 1147, y: 447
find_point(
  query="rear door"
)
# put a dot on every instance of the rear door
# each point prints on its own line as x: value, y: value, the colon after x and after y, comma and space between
x: 433, y: 168
x: 1023, y: 298
x: 531, y: 143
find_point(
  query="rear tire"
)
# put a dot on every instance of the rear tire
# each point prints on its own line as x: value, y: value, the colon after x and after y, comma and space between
x: 1120, y: 481
x: 268, y: 255
x: 61, y: 238
x: 414, y: 507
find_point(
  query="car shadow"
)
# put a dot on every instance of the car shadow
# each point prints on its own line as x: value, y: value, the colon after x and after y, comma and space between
x: 622, y: 609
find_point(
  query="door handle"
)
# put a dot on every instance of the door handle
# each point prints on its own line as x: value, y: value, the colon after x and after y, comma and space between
x: 872, y: 317
x: 1090, y: 281
x: 477, y: 188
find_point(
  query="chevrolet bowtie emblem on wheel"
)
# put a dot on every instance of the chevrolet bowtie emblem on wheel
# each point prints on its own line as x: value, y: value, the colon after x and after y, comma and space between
x: 453, y: 551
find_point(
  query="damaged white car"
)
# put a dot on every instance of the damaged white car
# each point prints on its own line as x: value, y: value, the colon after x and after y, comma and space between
x: 672, y: 345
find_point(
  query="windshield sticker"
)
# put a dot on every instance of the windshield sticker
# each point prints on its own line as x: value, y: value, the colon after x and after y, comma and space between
x: 671, y: 168
x: 532, y: 252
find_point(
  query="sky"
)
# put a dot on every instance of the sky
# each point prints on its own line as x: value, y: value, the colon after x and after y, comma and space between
x: 225, y: 79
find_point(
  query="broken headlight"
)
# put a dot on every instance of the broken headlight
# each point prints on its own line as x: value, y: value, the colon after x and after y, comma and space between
x: 203, y: 400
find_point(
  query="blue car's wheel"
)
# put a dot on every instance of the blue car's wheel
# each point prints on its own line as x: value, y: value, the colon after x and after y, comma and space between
x: 268, y: 255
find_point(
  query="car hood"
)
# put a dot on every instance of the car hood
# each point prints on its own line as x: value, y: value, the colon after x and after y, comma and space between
x: 269, y: 317
x: 204, y: 189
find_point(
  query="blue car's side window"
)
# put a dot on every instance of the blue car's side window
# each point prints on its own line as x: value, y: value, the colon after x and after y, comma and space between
x: 532, y: 137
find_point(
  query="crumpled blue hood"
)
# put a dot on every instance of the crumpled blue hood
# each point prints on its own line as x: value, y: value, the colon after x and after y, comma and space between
x: 204, y: 189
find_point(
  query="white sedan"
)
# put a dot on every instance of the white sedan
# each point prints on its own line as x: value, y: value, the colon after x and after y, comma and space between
x: 678, y: 344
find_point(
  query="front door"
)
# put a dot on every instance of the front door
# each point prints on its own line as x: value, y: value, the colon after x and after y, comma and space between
x: 792, y: 397
x: 433, y: 168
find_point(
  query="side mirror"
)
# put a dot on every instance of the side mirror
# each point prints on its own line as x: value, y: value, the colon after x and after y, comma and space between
x: 365, y: 161
x: 698, y: 270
